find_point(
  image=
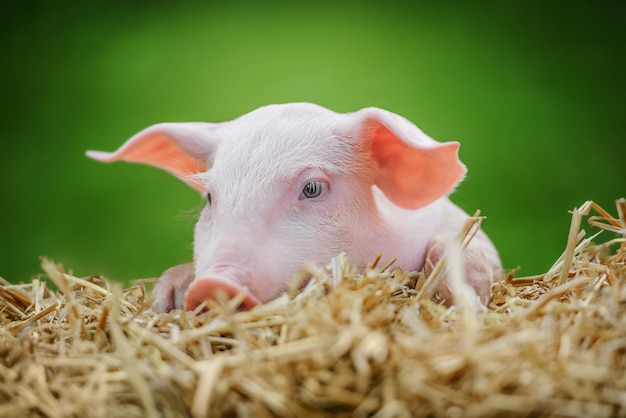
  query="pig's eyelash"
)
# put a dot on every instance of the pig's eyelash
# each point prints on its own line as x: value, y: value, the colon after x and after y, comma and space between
x: 191, y: 215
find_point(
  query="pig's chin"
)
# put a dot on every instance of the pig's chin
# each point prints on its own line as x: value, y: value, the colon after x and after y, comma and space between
x: 268, y: 294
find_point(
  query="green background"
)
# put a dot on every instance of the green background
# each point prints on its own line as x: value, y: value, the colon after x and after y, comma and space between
x: 534, y: 93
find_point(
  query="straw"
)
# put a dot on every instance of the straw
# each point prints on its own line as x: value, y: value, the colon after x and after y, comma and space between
x: 340, y: 342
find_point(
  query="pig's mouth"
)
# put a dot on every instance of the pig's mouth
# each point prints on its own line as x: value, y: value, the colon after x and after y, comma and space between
x: 222, y: 281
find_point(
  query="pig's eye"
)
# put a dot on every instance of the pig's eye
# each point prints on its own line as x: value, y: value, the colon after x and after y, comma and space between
x: 208, y: 198
x: 313, y: 189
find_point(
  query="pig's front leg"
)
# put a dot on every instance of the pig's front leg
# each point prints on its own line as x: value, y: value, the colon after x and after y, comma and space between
x: 169, y: 291
x: 482, y: 266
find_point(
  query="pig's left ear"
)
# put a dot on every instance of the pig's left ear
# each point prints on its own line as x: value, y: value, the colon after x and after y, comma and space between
x: 411, y: 168
x: 183, y: 149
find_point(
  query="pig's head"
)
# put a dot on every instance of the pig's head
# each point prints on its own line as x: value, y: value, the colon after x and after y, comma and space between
x: 289, y: 184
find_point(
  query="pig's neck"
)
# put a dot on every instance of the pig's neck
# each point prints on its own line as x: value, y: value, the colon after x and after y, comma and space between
x: 405, y: 234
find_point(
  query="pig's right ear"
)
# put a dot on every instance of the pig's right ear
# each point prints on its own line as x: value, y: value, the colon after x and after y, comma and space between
x: 183, y: 149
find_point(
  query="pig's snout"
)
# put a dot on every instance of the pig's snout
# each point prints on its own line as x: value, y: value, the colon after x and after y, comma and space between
x: 215, y: 285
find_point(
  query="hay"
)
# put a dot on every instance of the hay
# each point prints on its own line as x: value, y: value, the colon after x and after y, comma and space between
x: 347, y: 344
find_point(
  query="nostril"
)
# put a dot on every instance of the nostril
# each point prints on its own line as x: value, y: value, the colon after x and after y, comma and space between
x: 203, y: 289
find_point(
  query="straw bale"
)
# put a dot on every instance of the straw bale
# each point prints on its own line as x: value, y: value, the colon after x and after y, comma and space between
x: 369, y: 343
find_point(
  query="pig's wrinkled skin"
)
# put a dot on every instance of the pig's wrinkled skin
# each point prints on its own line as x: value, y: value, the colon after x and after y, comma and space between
x: 296, y: 183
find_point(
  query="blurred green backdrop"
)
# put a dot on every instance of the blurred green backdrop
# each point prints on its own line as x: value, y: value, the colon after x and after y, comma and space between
x: 534, y: 93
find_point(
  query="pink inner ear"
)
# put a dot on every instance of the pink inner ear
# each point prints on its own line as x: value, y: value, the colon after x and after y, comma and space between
x: 158, y: 150
x: 411, y: 176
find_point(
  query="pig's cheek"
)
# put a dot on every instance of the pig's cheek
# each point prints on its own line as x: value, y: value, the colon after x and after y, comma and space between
x: 205, y: 214
x: 325, y: 209
x: 204, y: 223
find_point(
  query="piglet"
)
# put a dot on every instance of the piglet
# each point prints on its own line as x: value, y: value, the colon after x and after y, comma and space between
x: 295, y: 183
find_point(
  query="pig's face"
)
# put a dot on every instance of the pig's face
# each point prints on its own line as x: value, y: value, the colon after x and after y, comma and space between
x: 280, y: 194
x: 290, y: 184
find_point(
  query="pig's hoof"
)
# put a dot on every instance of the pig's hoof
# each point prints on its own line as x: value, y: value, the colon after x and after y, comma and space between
x: 169, y: 291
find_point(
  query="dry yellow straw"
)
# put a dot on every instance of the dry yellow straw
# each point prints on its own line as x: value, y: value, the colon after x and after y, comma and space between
x: 341, y: 342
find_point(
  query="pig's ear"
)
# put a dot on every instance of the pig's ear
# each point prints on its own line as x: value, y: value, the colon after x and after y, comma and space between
x: 183, y: 149
x: 411, y: 168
